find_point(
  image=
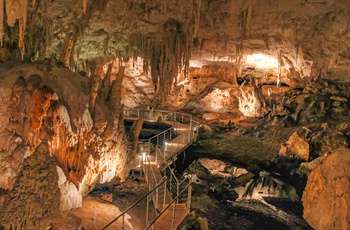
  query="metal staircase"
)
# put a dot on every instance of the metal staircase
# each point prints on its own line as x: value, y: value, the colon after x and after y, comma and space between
x: 171, y: 198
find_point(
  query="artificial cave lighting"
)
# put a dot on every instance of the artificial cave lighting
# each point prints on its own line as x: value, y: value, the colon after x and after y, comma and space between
x: 261, y: 61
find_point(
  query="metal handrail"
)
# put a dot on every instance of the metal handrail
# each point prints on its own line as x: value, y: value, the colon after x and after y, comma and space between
x: 176, y: 198
x: 164, y: 179
x: 175, y: 184
x: 159, y: 140
x: 155, y: 197
x: 178, y: 115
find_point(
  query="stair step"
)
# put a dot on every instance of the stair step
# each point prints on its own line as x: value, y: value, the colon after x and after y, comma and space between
x: 181, y: 206
x: 165, y: 221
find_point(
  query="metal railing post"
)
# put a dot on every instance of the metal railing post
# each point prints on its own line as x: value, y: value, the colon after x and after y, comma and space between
x: 164, y: 136
x: 165, y: 188
x: 156, y: 204
x: 189, y: 197
x: 123, y: 221
x: 147, y: 212
x: 173, y: 219
x: 177, y: 192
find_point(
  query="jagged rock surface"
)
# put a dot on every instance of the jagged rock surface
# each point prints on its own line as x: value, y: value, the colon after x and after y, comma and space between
x: 326, y: 197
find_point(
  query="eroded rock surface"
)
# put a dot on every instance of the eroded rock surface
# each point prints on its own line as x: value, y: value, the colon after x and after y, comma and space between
x: 326, y: 198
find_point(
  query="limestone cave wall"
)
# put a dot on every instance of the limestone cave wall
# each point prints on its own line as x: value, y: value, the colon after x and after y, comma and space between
x: 46, y: 113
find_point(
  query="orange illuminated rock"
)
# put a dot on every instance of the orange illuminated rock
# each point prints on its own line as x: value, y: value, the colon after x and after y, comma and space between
x: 326, y: 198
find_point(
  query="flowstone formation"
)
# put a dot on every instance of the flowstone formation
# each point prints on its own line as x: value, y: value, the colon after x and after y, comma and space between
x: 84, y: 145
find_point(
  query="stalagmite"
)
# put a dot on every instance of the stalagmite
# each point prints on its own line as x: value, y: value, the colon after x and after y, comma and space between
x: 115, y: 95
x: 252, y: 104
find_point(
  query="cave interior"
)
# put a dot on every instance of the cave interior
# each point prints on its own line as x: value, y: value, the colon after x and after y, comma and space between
x: 268, y: 82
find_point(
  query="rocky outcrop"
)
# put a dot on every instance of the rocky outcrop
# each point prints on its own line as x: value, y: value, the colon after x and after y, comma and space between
x: 326, y: 198
x: 312, y: 102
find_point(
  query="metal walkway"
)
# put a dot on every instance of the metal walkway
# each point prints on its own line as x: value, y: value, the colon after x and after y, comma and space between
x: 171, y: 198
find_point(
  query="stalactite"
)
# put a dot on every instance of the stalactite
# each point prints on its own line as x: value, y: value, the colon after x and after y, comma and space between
x: 105, y: 45
x: 71, y: 65
x: 21, y: 44
x: 24, y: 12
x: 11, y: 11
x: 1, y: 20
x: 67, y: 50
x: 84, y: 6
x: 48, y: 30
x: 197, y: 15
x: 18, y: 9
x: 33, y: 3
x: 106, y: 83
x: 96, y: 82
x: 297, y: 54
x: 280, y: 64
x: 249, y: 18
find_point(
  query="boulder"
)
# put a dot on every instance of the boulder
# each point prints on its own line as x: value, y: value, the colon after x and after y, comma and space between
x: 326, y: 198
x: 295, y: 147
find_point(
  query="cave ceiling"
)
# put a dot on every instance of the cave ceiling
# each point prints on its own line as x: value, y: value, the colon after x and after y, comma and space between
x: 304, y: 38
